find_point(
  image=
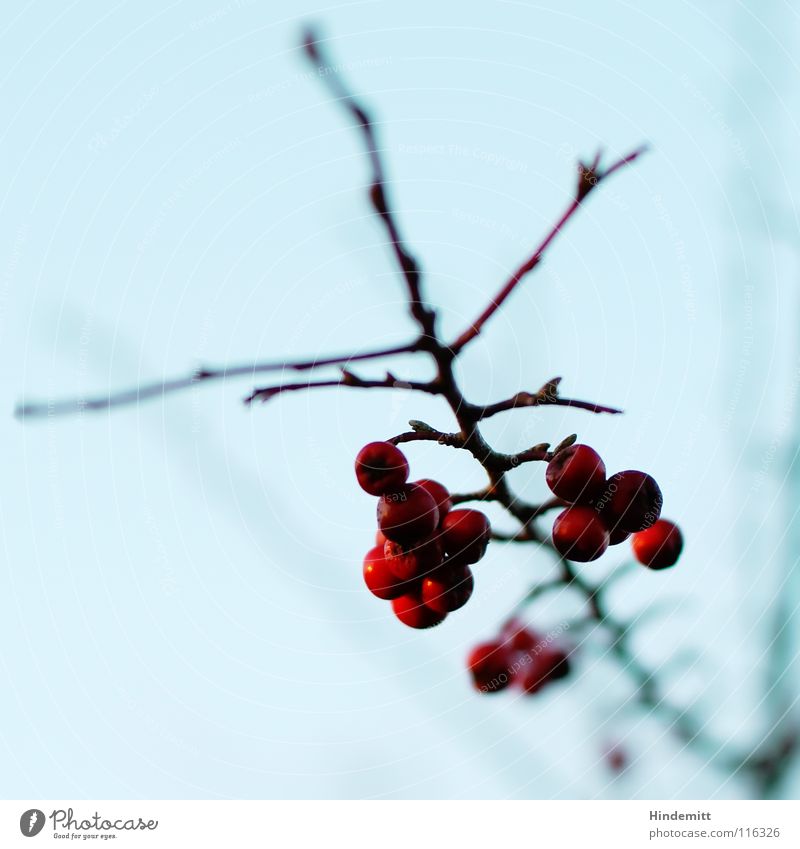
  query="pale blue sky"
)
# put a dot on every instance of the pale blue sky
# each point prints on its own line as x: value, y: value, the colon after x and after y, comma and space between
x: 182, y: 612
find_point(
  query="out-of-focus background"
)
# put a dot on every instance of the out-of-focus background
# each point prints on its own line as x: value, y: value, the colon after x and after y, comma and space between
x: 181, y: 608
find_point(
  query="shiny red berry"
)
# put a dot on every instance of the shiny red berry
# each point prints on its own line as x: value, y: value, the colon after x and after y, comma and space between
x: 490, y: 668
x: 407, y: 514
x: 379, y: 578
x: 630, y: 501
x: 658, y: 547
x: 413, y: 560
x: 466, y: 534
x: 578, y: 534
x: 576, y: 474
x: 440, y: 495
x: 380, y: 467
x: 411, y: 611
x: 448, y: 589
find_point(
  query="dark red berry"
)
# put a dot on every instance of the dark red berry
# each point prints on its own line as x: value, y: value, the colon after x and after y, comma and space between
x: 550, y: 665
x: 407, y: 514
x: 466, y: 534
x: 408, y: 561
x: 518, y: 638
x: 630, y: 501
x: 448, y: 589
x: 576, y: 474
x: 439, y: 494
x: 379, y: 578
x: 490, y: 668
x: 617, y: 535
x: 616, y: 758
x: 658, y: 547
x: 381, y: 467
x: 578, y: 534
x: 410, y: 610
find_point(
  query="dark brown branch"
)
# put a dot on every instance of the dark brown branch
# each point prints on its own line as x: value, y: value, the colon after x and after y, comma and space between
x: 588, y: 178
x: 547, y: 396
x: 348, y: 379
x: 493, y: 461
x: 204, y: 374
x: 378, y: 190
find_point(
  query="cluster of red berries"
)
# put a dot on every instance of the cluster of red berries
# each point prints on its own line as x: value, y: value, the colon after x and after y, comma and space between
x: 606, y: 511
x: 519, y: 656
x: 423, y: 548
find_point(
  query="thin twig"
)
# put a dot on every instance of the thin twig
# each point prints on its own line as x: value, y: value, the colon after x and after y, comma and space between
x: 378, y: 190
x: 348, y: 379
x: 204, y: 374
x: 589, y: 178
x: 547, y: 396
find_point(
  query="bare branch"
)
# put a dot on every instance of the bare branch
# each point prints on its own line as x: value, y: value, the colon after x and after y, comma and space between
x: 547, y: 396
x: 378, y: 190
x: 588, y: 178
x: 204, y: 374
x: 348, y: 379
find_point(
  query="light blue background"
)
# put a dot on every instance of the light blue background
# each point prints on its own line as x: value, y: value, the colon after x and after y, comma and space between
x: 181, y: 608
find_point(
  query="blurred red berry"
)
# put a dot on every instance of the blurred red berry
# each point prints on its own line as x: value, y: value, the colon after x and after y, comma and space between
x: 407, y: 514
x: 551, y: 664
x: 439, y: 494
x: 576, y: 474
x: 578, y: 534
x: 518, y: 638
x: 658, y: 547
x: 466, y: 534
x: 379, y: 578
x: 381, y: 467
x: 616, y: 758
x: 410, y: 610
x: 630, y: 501
x: 489, y: 666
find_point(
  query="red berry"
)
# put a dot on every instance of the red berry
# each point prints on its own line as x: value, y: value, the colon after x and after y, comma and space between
x: 616, y: 758
x: 410, y: 610
x: 407, y: 514
x: 466, y: 534
x: 617, y: 535
x: 439, y: 494
x: 576, y: 474
x: 658, y: 547
x: 380, y: 538
x: 550, y: 665
x: 380, y: 467
x: 408, y: 561
x: 517, y: 638
x: 379, y: 578
x: 448, y: 589
x: 630, y: 501
x: 489, y: 666
x: 578, y: 534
